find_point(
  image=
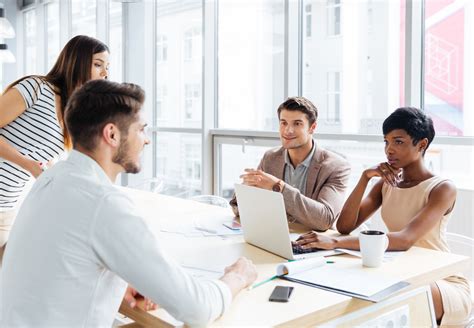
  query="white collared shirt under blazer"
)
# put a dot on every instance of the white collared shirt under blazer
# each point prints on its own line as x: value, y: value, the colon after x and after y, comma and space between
x: 76, y: 243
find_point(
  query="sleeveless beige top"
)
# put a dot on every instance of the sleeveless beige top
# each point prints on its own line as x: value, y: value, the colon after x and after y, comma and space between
x: 400, y: 205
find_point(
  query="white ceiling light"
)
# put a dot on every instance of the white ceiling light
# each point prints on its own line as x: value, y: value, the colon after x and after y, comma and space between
x: 6, y: 55
x: 6, y: 29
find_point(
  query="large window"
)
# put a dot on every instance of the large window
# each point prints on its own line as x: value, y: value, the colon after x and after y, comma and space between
x: 333, y: 18
x: 178, y: 102
x: 192, y: 44
x: 447, y: 61
x: 179, y: 62
x: 52, y: 32
x: 161, y: 48
x: 83, y: 14
x: 251, y: 63
x: 179, y: 163
x: 192, y: 101
x: 333, y: 110
x: 308, y: 20
x: 356, y: 60
x: 30, y: 53
x: 340, y: 73
x: 116, y: 41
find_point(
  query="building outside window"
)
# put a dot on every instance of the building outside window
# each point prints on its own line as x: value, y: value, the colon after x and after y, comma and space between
x: 192, y: 101
x: 83, y: 15
x: 355, y: 79
x: 333, y: 110
x: 116, y: 41
x: 308, y: 20
x: 30, y: 54
x: 251, y: 63
x: 160, y: 99
x: 192, y: 162
x: 52, y: 32
x: 338, y: 73
x: 333, y: 17
x: 192, y: 44
x: 161, y: 48
x: 178, y: 96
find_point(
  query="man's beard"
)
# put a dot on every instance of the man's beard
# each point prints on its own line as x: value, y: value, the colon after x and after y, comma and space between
x: 121, y: 158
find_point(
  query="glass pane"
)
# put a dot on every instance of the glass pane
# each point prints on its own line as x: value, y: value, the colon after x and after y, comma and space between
x: 83, y: 13
x: 352, y: 71
x: 446, y: 66
x: 251, y: 63
x: 333, y: 18
x: 30, y: 42
x: 179, y: 64
x: 178, y: 159
x: 52, y: 39
x: 235, y: 159
x: 115, y: 42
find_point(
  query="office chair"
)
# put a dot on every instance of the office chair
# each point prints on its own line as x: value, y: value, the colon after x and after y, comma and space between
x: 464, y: 245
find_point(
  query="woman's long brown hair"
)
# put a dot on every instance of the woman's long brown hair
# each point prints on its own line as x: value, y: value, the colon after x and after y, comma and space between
x: 71, y: 70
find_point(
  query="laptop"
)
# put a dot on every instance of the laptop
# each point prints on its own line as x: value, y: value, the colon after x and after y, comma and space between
x: 264, y: 223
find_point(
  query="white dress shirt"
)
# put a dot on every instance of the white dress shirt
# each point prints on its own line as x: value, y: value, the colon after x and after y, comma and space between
x: 76, y: 243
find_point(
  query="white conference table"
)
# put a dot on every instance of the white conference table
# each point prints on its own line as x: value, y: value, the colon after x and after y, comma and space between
x: 308, y: 305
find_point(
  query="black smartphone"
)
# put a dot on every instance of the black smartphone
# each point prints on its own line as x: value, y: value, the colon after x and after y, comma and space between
x: 281, y: 294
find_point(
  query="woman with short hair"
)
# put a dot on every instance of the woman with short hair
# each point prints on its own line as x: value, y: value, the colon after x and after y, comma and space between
x: 415, y: 206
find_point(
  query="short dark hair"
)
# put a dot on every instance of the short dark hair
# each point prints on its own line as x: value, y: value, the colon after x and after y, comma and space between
x: 98, y: 103
x: 301, y: 104
x: 414, y: 121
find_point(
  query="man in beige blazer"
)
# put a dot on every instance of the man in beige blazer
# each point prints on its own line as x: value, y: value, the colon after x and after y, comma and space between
x: 312, y: 180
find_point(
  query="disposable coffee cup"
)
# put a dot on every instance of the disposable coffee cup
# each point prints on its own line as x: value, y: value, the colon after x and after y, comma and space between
x: 373, y: 244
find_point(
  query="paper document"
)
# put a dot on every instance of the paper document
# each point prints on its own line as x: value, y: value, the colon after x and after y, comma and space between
x: 206, y: 273
x: 357, y: 283
x: 300, y: 266
x: 199, y: 228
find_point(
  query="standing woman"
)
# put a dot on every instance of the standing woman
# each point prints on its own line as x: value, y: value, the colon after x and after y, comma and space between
x: 32, y: 130
x: 415, y: 205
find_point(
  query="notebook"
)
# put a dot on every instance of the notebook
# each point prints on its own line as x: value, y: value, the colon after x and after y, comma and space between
x: 354, y: 282
x: 264, y: 223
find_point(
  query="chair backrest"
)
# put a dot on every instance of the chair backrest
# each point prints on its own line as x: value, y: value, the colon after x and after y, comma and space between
x: 211, y: 200
x: 462, y: 245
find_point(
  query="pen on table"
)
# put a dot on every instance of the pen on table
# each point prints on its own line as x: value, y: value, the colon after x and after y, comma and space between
x: 328, y: 262
x: 205, y: 230
x: 263, y: 282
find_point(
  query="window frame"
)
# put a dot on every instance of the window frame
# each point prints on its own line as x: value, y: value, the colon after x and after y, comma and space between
x: 212, y: 137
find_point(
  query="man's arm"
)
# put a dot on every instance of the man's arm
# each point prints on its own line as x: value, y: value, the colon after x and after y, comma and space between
x: 126, y: 246
x: 320, y: 212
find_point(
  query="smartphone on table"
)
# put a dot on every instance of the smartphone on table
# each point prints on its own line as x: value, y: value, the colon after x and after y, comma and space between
x: 281, y: 294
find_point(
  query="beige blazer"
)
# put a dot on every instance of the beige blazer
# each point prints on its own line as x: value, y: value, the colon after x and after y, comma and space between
x: 326, y: 184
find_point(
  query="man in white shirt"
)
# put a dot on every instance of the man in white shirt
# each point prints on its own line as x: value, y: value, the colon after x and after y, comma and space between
x: 78, y: 240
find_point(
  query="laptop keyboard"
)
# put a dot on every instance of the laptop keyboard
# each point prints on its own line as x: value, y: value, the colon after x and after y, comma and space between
x: 297, y: 249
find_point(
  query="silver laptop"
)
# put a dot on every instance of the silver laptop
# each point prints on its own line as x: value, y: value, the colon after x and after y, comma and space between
x: 264, y: 223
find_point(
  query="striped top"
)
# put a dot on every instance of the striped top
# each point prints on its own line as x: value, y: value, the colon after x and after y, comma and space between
x: 36, y: 133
